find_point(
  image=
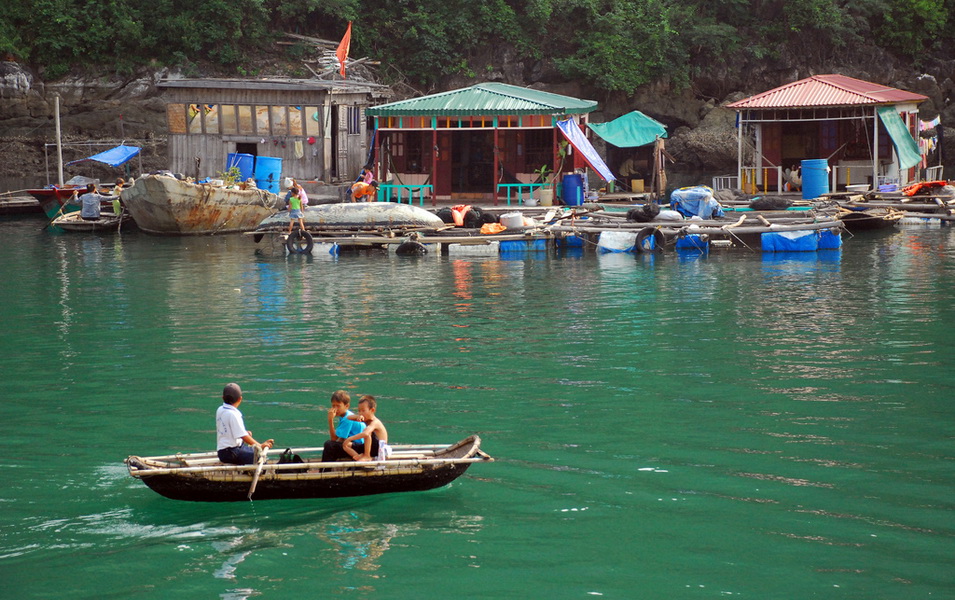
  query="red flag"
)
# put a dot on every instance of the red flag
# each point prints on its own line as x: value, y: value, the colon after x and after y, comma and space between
x: 343, y: 46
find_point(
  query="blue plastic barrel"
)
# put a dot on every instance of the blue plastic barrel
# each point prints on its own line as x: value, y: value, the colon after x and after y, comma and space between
x: 815, y: 178
x: 268, y: 173
x: 245, y: 163
x: 573, y: 190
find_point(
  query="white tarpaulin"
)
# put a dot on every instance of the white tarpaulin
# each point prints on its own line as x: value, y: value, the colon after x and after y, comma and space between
x: 577, y: 139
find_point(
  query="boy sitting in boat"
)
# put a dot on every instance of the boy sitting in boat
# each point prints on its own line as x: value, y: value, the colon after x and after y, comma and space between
x: 340, y: 427
x: 374, y: 436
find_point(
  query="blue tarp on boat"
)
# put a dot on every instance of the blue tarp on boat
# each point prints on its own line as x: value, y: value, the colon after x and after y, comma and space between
x: 113, y: 157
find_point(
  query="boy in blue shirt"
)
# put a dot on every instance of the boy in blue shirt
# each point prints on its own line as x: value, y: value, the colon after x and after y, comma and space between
x: 340, y: 427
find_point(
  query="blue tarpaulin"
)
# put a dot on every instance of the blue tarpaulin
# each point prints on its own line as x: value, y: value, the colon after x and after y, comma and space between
x: 696, y: 201
x: 112, y: 157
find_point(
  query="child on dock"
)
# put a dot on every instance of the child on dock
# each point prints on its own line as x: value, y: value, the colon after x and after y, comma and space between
x: 374, y: 435
x: 295, y: 210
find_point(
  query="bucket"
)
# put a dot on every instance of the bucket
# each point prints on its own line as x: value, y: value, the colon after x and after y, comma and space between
x: 245, y: 162
x: 573, y: 190
x: 546, y: 196
x: 636, y: 186
x: 512, y: 220
x: 815, y: 178
x: 268, y: 173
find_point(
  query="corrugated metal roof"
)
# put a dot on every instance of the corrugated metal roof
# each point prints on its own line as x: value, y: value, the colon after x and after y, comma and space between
x: 827, y: 90
x: 271, y: 84
x: 485, y: 99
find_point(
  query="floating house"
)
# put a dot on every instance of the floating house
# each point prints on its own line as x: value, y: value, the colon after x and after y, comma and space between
x: 488, y: 141
x: 859, y: 134
x: 305, y: 129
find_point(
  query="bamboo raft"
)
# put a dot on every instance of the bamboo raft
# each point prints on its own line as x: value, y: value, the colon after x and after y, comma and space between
x: 201, y: 477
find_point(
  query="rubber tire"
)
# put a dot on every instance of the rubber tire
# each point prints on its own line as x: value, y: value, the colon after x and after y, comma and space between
x: 642, y: 244
x: 300, y: 242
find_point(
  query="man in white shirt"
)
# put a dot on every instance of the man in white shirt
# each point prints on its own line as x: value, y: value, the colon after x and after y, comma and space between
x: 235, y: 444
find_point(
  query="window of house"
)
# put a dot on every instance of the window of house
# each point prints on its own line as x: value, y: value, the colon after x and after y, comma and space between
x: 246, y: 122
x: 313, y: 121
x: 227, y: 122
x: 354, y: 120
x: 295, y: 120
x: 279, y: 120
x: 176, y: 118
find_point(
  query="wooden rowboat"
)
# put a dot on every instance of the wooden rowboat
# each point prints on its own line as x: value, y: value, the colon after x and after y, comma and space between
x: 871, y: 218
x: 201, y: 477
x: 74, y: 222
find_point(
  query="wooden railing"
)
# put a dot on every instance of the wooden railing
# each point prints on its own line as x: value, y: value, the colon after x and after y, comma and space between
x: 519, y: 188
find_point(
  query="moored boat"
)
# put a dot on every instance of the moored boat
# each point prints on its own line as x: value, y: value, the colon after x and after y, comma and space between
x: 163, y: 204
x: 870, y: 218
x: 53, y: 198
x: 357, y: 216
x: 73, y: 221
x: 410, y: 468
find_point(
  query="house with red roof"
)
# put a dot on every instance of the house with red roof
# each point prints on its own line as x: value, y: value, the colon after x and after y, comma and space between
x: 864, y: 131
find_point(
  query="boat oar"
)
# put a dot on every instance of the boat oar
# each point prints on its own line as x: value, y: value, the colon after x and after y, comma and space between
x: 260, y: 458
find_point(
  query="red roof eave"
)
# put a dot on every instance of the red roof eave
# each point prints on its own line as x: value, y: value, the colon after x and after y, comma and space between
x: 821, y: 91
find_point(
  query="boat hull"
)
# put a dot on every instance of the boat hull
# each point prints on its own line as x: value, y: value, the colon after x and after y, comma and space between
x: 372, y: 482
x: 52, y: 199
x: 871, y: 219
x: 357, y: 215
x: 311, y: 479
x: 164, y: 205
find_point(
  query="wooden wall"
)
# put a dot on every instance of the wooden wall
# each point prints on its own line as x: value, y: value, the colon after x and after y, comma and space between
x: 340, y: 137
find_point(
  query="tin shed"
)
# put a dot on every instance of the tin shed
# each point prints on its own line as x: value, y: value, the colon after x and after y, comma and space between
x: 316, y: 129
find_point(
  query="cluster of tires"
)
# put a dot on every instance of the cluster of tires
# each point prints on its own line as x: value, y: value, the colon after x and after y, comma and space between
x: 473, y: 219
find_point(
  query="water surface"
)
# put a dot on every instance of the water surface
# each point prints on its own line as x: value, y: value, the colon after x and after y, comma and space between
x: 675, y: 426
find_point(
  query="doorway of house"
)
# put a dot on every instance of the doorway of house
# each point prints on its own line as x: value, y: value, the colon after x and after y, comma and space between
x: 472, y: 163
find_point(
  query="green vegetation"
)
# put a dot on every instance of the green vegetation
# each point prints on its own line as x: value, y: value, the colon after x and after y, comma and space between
x: 611, y: 45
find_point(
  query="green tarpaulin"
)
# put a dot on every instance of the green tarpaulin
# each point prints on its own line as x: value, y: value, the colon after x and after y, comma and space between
x: 905, y: 146
x: 629, y: 131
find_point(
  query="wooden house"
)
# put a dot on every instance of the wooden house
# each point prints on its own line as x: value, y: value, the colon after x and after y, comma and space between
x: 478, y: 142
x: 865, y: 131
x: 317, y: 128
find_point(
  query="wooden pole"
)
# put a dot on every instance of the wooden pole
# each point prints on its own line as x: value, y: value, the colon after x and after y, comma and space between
x: 875, y: 149
x: 497, y: 160
x: 434, y: 162
x: 59, y: 143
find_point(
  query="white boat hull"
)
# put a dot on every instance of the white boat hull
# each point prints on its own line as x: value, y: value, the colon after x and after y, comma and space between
x: 358, y: 215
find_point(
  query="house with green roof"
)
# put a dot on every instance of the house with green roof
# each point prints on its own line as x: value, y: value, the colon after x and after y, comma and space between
x: 464, y: 144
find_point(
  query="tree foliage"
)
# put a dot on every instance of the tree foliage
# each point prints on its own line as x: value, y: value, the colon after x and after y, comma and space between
x: 614, y: 45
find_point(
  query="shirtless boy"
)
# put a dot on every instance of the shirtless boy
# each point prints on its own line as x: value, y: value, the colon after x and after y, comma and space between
x: 374, y: 432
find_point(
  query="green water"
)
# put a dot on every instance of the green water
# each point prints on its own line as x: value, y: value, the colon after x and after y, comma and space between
x: 664, y: 427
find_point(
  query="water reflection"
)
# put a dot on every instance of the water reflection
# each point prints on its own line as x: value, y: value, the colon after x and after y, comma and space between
x: 357, y: 542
